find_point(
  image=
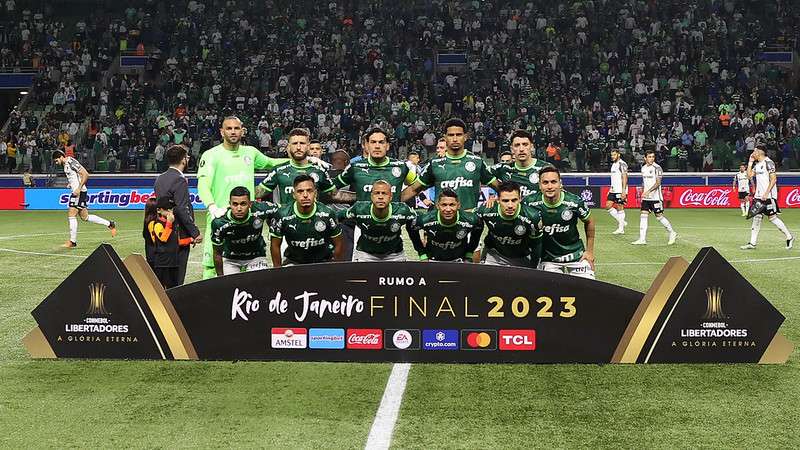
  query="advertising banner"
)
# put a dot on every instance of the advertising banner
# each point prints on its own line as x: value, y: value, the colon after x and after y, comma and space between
x: 705, y: 196
x: 789, y: 197
x: 99, y: 199
x: 408, y: 312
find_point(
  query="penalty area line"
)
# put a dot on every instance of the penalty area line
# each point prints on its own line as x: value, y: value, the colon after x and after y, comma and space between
x: 380, y: 435
x: 733, y: 261
x: 22, y: 252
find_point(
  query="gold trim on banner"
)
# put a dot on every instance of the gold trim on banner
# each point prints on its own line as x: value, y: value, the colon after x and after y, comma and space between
x: 643, y: 320
x: 161, y: 306
x: 778, y: 351
x: 37, y: 344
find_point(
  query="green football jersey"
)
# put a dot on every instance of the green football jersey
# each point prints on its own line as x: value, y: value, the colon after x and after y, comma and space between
x: 362, y: 174
x: 282, y: 178
x: 309, y: 238
x: 380, y: 236
x: 243, y: 239
x: 464, y: 174
x: 561, y: 241
x: 512, y: 237
x: 527, y: 178
x: 447, y: 242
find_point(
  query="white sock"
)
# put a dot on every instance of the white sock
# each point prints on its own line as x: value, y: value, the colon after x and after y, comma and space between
x: 747, y: 206
x: 754, y: 229
x: 98, y: 220
x: 621, y: 217
x: 73, y: 228
x: 642, y: 227
x: 781, y: 226
x: 666, y: 223
x: 615, y: 214
x: 743, y: 207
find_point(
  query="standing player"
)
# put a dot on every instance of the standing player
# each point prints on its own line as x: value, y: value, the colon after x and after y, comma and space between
x: 514, y: 229
x: 458, y: 170
x: 741, y: 182
x: 223, y: 168
x: 441, y: 147
x: 310, y: 229
x: 763, y: 169
x: 523, y: 168
x: 618, y: 194
x: 652, y: 200
x: 237, y: 236
x: 562, y: 248
x: 282, y: 177
x: 360, y: 175
x: 380, y: 221
x: 451, y: 234
x: 77, y: 176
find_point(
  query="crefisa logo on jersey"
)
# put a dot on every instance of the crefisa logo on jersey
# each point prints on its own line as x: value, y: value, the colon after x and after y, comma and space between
x: 714, y: 329
x: 97, y: 325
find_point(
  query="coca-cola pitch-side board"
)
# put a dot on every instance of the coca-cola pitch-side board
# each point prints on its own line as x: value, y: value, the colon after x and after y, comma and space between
x: 409, y: 311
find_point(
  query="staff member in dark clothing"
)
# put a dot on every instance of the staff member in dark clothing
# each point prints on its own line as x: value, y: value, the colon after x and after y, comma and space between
x: 173, y: 185
x: 165, y: 241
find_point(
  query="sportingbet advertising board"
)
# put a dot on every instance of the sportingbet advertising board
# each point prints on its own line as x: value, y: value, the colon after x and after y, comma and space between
x: 409, y: 312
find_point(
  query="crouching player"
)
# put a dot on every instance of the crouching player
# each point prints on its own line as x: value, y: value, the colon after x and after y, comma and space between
x: 562, y: 248
x: 514, y: 229
x: 451, y: 234
x: 237, y: 236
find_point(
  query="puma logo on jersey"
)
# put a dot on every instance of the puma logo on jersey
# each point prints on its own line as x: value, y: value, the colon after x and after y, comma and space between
x: 456, y: 183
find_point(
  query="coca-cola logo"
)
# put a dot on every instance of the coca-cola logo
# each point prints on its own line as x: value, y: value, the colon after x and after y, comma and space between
x: 793, y: 197
x: 369, y: 339
x: 715, y: 197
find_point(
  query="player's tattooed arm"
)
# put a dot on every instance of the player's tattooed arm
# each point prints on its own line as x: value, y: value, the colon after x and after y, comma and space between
x: 411, y: 191
x: 338, y: 196
x: 218, y: 260
x: 275, y: 251
x: 416, y: 241
x: 338, y: 247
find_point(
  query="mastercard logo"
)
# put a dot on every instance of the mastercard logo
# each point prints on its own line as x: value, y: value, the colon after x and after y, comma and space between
x: 480, y: 339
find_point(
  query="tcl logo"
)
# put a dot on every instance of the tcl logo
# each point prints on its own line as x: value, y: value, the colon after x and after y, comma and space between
x: 365, y: 338
x: 517, y: 340
x: 706, y: 198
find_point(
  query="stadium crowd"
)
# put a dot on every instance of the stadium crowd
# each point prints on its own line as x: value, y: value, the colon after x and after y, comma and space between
x: 682, y: 77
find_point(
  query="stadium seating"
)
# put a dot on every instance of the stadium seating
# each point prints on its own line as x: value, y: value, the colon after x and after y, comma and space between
x: 687, y: 78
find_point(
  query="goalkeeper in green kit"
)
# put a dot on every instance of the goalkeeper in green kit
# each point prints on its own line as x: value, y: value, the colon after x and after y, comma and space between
x: 223, y: 168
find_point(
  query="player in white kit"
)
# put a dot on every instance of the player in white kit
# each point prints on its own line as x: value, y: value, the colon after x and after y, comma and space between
x: 77, y: 176
x: 763, y: 169
x: 652, y: 200
x: 741, y: 182
x: 617, y: 195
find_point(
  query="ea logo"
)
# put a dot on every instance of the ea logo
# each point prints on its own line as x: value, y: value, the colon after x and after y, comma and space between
x: 470, y: 166
x: 319, y: 226
x: 566, y: 215
x: 401, y: 339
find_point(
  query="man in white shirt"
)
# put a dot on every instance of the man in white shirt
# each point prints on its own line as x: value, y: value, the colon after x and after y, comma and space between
x: 763, y: 169
x: 741, y: 182
x: 617, y: 195
x: 652, y: 199
x: 77, y: 177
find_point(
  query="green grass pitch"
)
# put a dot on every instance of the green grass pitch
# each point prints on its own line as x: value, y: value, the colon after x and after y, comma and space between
x: 74, y: 403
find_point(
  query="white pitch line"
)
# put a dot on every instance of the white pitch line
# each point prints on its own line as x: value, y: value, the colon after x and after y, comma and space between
x: 11, y: 250
x: 785, y: 258
x: 380, y: 435
x: 18, y: 236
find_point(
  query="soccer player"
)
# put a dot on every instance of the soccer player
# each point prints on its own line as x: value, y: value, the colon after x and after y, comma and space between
x: 451, y: 234
x: 525, y: 168
x: 361, y: 175
x: 618, y: 194
x: 222, y: 168
x: 380, y: 221
x: 763, y: 169
x: 741, y: 182
x: 506, y: 158
x: 282, y: 177
x: 458, y: 170
x: 563, y: 250
x: 514, y: 229
x: 309, y: 228
x: 441, y: 147
x: 237, y: 236
x: 314, y: 148
x: 77, y: 176
x: 652, y: 200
